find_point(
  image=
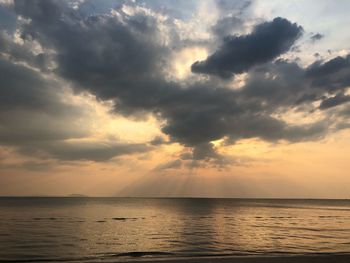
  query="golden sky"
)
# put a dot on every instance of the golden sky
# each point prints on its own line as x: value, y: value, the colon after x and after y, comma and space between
x: 193, y: 98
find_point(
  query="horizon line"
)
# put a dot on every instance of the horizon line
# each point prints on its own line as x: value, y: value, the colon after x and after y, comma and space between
x: 172, y: 197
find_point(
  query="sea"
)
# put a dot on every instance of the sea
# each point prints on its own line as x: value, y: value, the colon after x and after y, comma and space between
x: 76, y: 229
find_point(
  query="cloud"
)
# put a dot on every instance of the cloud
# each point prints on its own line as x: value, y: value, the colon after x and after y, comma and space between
x: 276, y: 84
x: 316, y: 37
x: 232, y: 6
x: 7, y: 17
x: 332, y: 75
x: 24, y: 88
x: 37, y: 122
x: 37, y: 115
x: 112, y: 55
x: 23, y: 52
x: 334, y: 101
x: 175, y: 164
x: 238, y: 54
x: 90, y: 151
x: 232, y: 17
x: 225, y: 26
x: 32, y: 109
x: 34, y: 166
x: 329, y: 67
x: 158, y: 140
x: 125, y: 56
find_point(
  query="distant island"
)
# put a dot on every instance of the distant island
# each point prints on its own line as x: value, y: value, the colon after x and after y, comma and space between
x: 77, y: 195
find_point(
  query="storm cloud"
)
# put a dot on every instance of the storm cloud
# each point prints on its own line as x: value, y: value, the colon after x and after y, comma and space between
x: 125, y: 56
x: 239, y: 53
x: 331, y: 75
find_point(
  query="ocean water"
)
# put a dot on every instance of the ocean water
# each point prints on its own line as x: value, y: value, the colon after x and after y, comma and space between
x: 119, y: 229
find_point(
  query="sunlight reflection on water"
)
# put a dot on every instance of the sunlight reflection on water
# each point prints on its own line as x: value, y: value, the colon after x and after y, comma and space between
x: 104, y: 228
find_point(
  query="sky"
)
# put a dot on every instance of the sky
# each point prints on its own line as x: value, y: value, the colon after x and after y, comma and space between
x: 213, y: 98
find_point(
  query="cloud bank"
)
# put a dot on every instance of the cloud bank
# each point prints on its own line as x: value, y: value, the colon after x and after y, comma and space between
x: 124, y: 54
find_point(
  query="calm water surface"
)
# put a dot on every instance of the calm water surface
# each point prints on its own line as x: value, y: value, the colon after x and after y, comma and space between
x: 115, y: 229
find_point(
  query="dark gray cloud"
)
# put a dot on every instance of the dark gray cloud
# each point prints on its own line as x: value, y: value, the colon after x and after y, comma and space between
x: 316, y: 37
x: 7, y: 18
x: 125, y: 58
x: 204, y: 113
x: 206, y: 152
x: 24, y: 88
x: 35, y: 117
x: 239, y: 53
x: 113, y: 56
x: 276, y: 84
x: 332, y: 75
x: 32, y: 109
x: 35, y: 120
x: 22, y: 53
x: 286, y: 84
x: 329, y: 67
x: 80, y: 150
x: 334, y: 101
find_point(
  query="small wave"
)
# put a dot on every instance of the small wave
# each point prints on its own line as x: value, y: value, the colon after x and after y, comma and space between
x: 143, y: 254
x: 45, y: 218
x: 124, y: 218
x: 69, y: 220
x: 292, y: 228
x: 331, y: 216
x: 39, y: 258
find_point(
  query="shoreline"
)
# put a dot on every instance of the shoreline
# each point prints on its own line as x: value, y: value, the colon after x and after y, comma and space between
x: 312, y: 258
x: 280, y: 258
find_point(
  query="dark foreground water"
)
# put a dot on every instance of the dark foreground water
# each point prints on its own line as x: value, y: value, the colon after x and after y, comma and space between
x: 117, y: 229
